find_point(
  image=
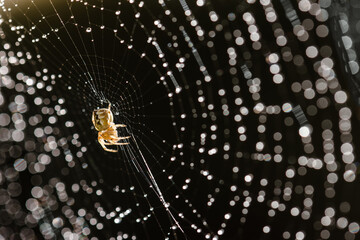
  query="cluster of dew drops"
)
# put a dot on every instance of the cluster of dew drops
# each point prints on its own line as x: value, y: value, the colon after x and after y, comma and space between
x: 31, y: 142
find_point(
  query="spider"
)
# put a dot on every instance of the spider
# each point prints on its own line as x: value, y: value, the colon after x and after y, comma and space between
x: 103, y: 121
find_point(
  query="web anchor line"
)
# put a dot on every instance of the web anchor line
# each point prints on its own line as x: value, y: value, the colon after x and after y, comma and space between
x: 147, y: 174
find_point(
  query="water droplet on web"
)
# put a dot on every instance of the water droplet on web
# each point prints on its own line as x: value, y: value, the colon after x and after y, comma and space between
x: 20, y: 165
x: 88, y: 29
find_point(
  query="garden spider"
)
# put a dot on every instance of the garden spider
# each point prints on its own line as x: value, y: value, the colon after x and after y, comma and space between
x: 103, y: 121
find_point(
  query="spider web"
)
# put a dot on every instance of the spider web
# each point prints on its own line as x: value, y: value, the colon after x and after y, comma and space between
x: 236, y: 113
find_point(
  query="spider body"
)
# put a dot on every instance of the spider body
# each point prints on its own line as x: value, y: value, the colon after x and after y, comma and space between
x: 103, y: 120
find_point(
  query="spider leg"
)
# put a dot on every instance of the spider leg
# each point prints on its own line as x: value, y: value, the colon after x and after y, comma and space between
x: 122, y: 138
x: 109, y: 107
x: 116, y: 143
x: 120, y: 125
x: 113, y: 142
x: 103, y: 143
